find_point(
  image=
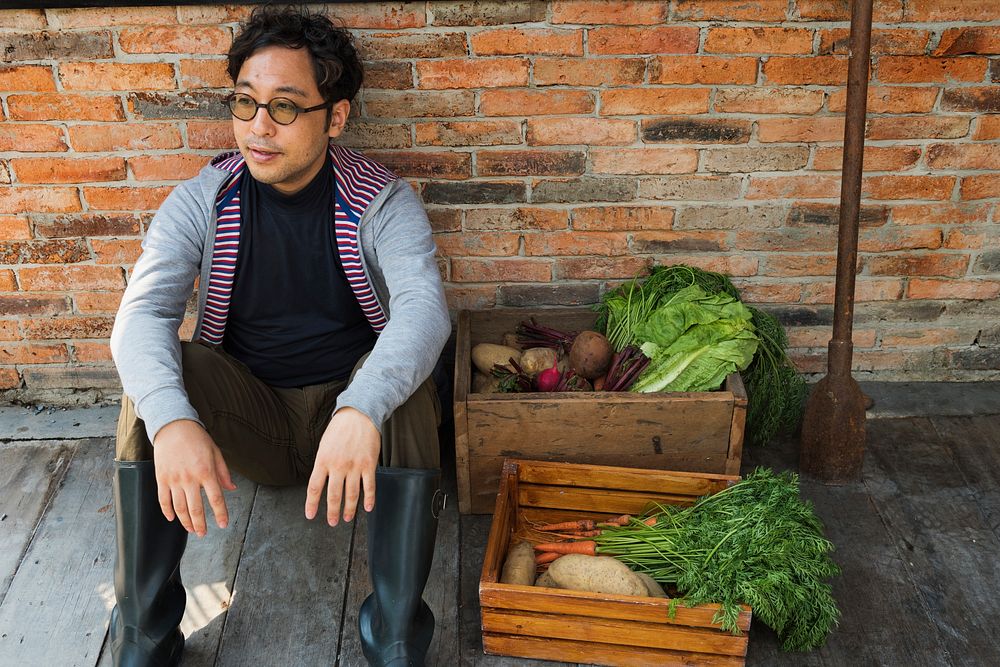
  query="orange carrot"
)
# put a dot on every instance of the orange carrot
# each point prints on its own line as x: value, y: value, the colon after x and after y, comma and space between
x: 583, y: 524
x: 546, y: 557
x: 651, y: 521
x: 588, y: 547
x: 618, y: 520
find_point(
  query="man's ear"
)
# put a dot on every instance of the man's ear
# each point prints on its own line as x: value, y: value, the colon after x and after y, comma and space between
x: 338, y: 117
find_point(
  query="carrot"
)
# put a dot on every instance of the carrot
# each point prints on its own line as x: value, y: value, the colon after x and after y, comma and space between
x: 651, y: 521
x: 588, y: 547
x: 618, y: 520
x: 582, y: 524
x: 546, y: 557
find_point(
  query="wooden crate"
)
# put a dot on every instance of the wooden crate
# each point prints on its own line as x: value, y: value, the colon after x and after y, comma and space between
x: 695, y: 432
x: 593, y: 628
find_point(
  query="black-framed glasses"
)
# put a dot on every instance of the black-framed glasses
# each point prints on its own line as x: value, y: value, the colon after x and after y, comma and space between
x: 282, y: 110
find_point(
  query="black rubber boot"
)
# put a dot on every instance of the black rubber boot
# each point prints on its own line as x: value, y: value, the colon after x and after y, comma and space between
x: 145, y: 624
x: 396, y: 624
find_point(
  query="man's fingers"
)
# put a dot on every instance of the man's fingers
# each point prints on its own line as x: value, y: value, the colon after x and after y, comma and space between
x: 368, y: 481
x: 334, y: 493
x: 222, y: 472
x: 163, y: 494
x: 314, y: 491
x: 197, y: 510
x: 351, y: 496
x: 180, y: 507
x: 218, y: 504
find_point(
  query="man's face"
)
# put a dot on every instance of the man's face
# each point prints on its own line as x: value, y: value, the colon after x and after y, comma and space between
x: 286, y: 157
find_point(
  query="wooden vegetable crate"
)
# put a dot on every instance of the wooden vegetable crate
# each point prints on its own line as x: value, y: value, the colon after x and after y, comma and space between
x: 694, y: 431
x: 594, y: 628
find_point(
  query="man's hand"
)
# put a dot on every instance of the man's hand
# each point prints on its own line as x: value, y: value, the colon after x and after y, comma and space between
x: 346, y: 461
x: 187, y: 460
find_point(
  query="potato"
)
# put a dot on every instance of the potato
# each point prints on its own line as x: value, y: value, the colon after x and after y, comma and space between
x: 519, y: 568
x: 545, y: 579
x: 484, y: 384
x: 590, y: 355
x: 510, y: 340
x: 537, y: 359
x: 652, y: 585
x: 485, y: 355
x: 597, y: 574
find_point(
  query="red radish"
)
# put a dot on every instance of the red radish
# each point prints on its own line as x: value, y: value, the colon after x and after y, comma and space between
x: 548, y: 379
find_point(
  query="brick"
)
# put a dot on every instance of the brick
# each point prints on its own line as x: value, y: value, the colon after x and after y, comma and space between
x: 91, y: 352
x: 585, y: 131
x: 485, y: 13
x: 656, y: 243
x: 213, y: 14
x: 9, y: 329
x: 26, y: 78
x: 125, y: 198
x: 918, y: 127
x: 117, y: 76
x: 34, y: 354
x: 963, y: 156
x: 64, y: 106
x: 471, y: 298
x: 730, y: 217
x: 696, y: 130
x: 389, y: 45
x: 22, y: 19
x: 960, y: 239
x: 574, y: 242
x: 731, y: 265
x: 825, y: 128
x: 468, y: 133
x: 588, y: 72
x: 548, y: 295
x: 768, y: 100
x: 14, y: 227
x: 477, y: 244
x: 166, y: 167
x: 894, y: 41
x: 97, y: 302
x: 755, y: 158
x: 985, y: 186
x: 583, y: 189
x: 116, y: 251
x: 445, y: 219
x: 643, y: 160
x: 54, y: 45
x: 982, y: 99
x: 889, y: 99
x: 43, y: 252
x: 865, y: 289
x: 8, y: 283
x: 800, y: 337
x: 623, y: 218
x: 797, y: 316
x: 175, y: 39
x: 419, y: 104
x: 35, y: 305
x: 932, y: 288
x: 474, y: 192
x: 39, y: 378
x: 987, y: 127
x: 421, y: 164
x: 702, y: 69
x: 500, y: 270
x: 375, y: 135
x: 877, y: 158
x: 30, y: 138
x: 638, y: 101
x: 530, y: 163
x: 58, y: 279
x: 814, y: 70
x: 172, y: 106
x: 122, y: 136
x: 889, y: 239
x: 769, y: 40
x: 789, y: 265
x: 597, y: 268
x: 68, y: 327
x: 210, y: 134
x: 816, y: 186
x: 527, y: 102
x: 910, y: 69
x: 521, y: 218
x: 927, y: 337
x: 759, y: 292
x: 988, y: 262
x: 952, y: 10
x: 389, y: 74
x: 750, y: 10
x: 907, y: 187
x: 602, y: 12
x: 518, y: 41
x: 691, y: 188
x: 39, y: 200
x: 204, y: 73
x: 68, y: 170
x: 883, y: 11
x: 918, y: 265
x: 968, y: 39
x: 629, y: 41
x: 110, y: 16
x: 472, y: 73
x: 381, y: 15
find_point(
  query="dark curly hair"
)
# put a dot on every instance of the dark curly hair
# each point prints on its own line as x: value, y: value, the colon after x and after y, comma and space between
x: 336, y: 64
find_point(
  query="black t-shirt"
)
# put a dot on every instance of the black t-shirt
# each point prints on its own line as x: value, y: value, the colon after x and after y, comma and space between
x: 293, y: 319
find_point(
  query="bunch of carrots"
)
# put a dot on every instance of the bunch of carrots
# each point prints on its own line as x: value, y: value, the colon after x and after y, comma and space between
x: 575, y: 533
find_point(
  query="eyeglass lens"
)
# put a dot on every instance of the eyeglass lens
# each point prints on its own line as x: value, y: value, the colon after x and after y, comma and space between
x: 280, y: 109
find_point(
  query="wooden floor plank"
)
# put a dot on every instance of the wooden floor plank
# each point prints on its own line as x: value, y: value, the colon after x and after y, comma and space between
x: 289, y: 591
x: 30, y: 472
x: 56, y: 609
x: 935, y: 520
x: 974, y: 443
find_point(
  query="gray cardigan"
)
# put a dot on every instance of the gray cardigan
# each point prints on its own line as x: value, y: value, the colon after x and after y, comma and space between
x: 398, y: 258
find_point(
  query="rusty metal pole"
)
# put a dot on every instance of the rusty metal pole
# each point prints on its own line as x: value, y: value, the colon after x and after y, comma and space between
x: 833, y: 431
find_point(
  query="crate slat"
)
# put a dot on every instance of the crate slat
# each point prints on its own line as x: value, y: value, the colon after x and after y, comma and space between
x: 616, y: 477
x: 601, y: 654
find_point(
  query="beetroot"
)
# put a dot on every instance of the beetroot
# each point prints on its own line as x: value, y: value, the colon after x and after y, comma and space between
x: 548, y: 379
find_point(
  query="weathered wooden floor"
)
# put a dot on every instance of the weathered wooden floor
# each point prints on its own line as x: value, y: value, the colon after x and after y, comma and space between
x: 917, y: 540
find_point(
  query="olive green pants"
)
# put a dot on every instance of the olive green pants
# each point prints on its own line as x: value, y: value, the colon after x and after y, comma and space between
x: 271, y: 434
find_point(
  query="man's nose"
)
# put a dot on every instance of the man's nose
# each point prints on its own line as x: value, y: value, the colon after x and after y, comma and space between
x: 262, y: 124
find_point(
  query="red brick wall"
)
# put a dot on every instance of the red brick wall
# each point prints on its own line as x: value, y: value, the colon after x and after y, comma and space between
x: 560, y: 147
